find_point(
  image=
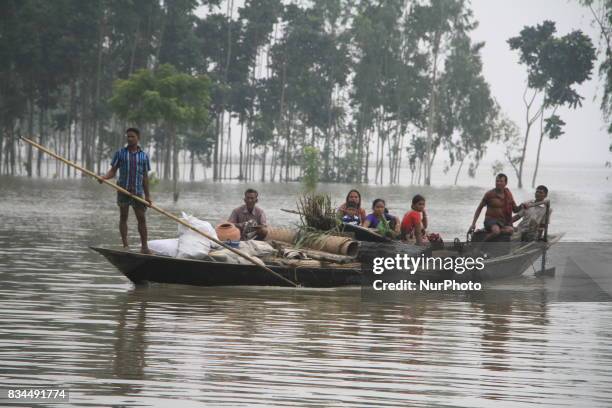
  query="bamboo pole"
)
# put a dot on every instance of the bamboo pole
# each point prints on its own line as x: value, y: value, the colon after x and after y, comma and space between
x: 545, y: 238
x: 158, y: 209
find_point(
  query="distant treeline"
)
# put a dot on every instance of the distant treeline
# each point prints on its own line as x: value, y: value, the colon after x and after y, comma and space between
x: 369, y: 84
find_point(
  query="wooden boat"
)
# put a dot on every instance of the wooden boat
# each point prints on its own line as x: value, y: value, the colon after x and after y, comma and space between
x: 141, y: 268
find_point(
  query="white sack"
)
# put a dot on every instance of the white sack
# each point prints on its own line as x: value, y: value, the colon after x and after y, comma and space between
x: 192, y: 245
x: 257, y: 248
x: 167, y: 247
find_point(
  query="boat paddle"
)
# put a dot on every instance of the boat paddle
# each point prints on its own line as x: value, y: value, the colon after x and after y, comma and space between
x: 543, y: 271
x: 158, y: 209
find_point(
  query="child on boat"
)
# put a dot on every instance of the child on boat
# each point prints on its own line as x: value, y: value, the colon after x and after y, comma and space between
x: 351, y: 214
x: 380, y: 220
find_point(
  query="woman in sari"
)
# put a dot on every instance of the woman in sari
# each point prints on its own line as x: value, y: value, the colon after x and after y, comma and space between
x: 353, y: 197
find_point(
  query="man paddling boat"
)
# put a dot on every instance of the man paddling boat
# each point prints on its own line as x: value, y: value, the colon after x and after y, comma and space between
x: 133, y: 165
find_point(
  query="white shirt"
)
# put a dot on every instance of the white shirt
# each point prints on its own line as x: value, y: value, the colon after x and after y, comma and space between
x: 533, y: 216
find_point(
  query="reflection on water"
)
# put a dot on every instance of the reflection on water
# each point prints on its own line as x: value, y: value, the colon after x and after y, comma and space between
x: 70, y: 319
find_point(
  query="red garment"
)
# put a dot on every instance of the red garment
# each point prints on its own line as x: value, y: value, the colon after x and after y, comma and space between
x: 410, y: 221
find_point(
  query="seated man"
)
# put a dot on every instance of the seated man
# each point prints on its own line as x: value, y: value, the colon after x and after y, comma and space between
x: 251, y: 220
x: 534, y: 215
x: 500, y: 205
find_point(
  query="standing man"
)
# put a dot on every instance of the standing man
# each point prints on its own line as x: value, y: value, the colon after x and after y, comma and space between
x: 133, y: 164
x: 250, y: 219
x: 500, y: 205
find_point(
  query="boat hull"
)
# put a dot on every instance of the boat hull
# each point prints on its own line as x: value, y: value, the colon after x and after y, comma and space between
x: 141, y: 268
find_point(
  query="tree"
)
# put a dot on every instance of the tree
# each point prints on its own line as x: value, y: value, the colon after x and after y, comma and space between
x: 467, y: 111
x: 508, y: 133
x: 390, y: 85
x: 554, y: 66
x: 437, y: 23
x: 602, y: 15
x: 357, y: 80
x: 165, y: 97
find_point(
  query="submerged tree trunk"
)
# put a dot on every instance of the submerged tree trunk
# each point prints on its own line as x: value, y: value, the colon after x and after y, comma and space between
x: 96, y: 144
x: 367, y: 160
x: 167, y: 153
x: 524, y: 152
x: 71, y: 119
x: 216, y: 148
x: 1, y: 150
x: 247, y: 161
x: 240, y: 149
x: 459, y: 170
x: 432, y: 108
x: 30, y: 134
x: 287, y: 145
x: 192, y: 167
x: 229, y: 149
x: 42, y: 130
x: 263, y: 163
x: 537, y: 165
x: 12, y: 150
x: 220, y: 150
x: 175, y: 163
x: 529, y: 122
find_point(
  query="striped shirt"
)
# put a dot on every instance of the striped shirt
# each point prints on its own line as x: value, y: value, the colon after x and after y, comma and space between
x: 133, y: 166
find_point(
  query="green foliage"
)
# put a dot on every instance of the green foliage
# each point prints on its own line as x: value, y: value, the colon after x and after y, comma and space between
x: 507, y: 132
x: 198, y: 142
x: 336, y: 75
x: 555, y: 64
x: 602, y: 17
x: 416, y: 151
x: 310, y: 167
x: 553, y: 127
x: 317, y: 213
x: 384, y: 228
x: 466, y: 111
x: 162, y: 95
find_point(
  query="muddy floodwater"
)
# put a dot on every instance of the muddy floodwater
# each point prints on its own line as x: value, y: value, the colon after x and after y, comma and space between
x: 70, y: 319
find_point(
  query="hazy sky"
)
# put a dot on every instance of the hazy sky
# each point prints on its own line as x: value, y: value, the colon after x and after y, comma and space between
x: 585, y: 138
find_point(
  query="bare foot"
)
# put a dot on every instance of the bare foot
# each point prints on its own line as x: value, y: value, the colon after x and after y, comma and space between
x: 126, y: 248
x: 146, y: 251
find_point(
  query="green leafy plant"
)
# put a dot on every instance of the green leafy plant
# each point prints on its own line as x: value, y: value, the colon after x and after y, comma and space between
x: 310, y: 166
x: 384, y: 228
x: 317, y: 212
